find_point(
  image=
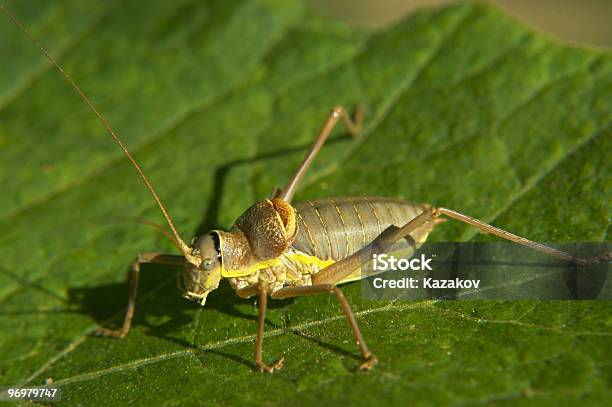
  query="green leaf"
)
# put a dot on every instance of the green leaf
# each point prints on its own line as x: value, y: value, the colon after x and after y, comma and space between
x: 219, y: 101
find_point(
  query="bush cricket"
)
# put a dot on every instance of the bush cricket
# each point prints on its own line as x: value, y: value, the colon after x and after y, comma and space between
x: 280, y: 250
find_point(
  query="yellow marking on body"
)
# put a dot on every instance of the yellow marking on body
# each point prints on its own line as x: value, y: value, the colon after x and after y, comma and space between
x: 307, y: 259
x: 346, y: 252
x: 329, y: 250
x: 247, y: 271
x: 364, y: 240
x: 298, y: 257
x: 314, y: 247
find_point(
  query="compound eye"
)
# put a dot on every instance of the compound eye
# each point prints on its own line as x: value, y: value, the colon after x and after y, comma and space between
x: 208, y: 264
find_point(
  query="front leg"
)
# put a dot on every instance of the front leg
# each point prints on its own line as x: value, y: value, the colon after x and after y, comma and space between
x: 134, y: 278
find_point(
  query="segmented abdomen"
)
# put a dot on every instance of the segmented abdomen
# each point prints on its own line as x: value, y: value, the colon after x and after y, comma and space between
x: 334, y: 228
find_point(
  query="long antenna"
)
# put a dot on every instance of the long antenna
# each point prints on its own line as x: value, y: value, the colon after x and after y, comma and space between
x: 182, y: 245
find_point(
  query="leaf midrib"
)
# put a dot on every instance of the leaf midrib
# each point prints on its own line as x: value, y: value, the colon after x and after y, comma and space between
x: 392, y: 306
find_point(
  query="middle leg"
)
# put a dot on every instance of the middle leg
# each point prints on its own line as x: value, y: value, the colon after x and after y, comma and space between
x: 263, y: 303
x: 369, y: 360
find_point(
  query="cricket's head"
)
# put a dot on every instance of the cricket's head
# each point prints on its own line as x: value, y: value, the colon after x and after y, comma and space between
x: 202, y: 272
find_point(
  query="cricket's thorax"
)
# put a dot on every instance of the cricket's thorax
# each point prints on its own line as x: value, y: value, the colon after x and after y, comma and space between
x: 261, y: 234
x: 258, y: 249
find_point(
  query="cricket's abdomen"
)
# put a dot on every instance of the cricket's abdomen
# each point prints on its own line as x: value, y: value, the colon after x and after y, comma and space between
x: 334, y: 228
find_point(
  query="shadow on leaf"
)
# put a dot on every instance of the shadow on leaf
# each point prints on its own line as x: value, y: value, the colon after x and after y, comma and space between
x: 211, y: 214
